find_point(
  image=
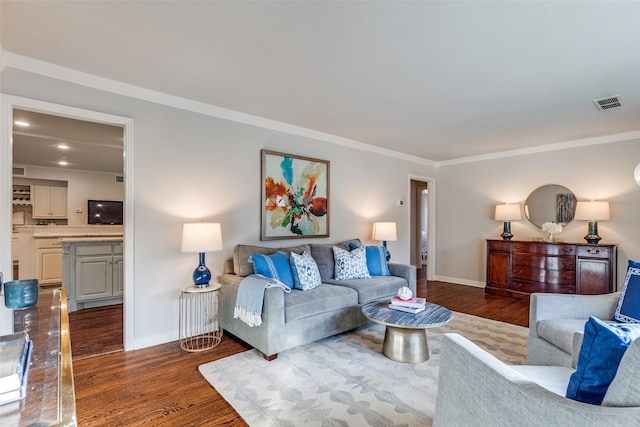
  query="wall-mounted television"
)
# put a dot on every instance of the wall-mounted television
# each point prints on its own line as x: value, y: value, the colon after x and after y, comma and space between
x: 104, y: 212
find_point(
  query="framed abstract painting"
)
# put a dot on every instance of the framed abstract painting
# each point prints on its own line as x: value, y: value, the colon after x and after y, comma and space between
x: 294, y: 196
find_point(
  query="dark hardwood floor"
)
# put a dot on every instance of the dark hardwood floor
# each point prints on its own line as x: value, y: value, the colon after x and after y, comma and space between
x: 161, y: 385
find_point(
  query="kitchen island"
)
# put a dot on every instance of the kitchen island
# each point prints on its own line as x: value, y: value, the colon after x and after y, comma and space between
x: 92, y: 271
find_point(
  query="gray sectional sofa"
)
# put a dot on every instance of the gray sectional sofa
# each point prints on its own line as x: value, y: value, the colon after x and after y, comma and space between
x: 299, y: 317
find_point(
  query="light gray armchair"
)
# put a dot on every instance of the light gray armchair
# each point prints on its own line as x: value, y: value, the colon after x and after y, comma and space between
x: 556, y: 325
x: 477, y: 389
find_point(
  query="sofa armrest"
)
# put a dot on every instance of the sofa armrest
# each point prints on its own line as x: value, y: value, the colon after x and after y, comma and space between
x: 477, y: 389
x: 408, y: 272
x: 268, y: 337
x: 568, y: 306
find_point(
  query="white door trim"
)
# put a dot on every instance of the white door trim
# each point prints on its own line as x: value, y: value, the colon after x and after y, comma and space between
x: 431, y: 219
x: 9, y: 102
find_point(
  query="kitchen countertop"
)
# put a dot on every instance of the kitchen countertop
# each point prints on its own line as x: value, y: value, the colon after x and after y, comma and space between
x: 89, y: 239
x: 62, y: 235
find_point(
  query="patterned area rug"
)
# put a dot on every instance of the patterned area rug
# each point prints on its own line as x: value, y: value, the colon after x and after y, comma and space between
x: 346, y: 381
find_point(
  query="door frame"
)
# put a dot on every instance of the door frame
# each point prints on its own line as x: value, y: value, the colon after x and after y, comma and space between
x: 431, y: 219
x: 11, y: 102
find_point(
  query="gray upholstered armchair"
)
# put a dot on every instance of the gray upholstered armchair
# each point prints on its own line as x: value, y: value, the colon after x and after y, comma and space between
x: 477, y: 389
x: 556, y: 325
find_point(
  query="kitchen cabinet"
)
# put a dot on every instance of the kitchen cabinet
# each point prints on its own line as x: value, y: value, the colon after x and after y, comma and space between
x: 93, y: 272
x: 49, y: 261
x: 49, y: 202
x: 518, y: 269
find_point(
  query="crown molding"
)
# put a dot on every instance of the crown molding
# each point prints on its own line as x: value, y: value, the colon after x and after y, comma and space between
x: 585, y: 142
x: 69, y: 75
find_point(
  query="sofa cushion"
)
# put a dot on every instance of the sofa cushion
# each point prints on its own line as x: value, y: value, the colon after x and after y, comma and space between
x: 350, y: 264
x: 560, y: 332
x: 628, y: 308
x: 275, y: 266
x: 625, y: 387
x: 300, y: 304
x: 323, y: 254
x: 241, y: 253
x: 376, y: 287
x: 602, y: 349
x: 305, y: 271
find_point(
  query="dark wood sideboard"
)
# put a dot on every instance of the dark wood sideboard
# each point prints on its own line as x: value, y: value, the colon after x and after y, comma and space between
x: 518, y: 268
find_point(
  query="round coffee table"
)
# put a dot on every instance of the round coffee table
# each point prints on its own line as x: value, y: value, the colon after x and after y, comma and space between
x: 405, y: 338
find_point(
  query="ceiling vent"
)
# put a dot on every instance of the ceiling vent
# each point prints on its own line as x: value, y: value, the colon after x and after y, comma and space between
x: 19, y: 171
x: 608, y: 102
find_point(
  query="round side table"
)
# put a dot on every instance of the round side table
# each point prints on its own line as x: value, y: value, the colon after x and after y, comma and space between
x: 200, y: 315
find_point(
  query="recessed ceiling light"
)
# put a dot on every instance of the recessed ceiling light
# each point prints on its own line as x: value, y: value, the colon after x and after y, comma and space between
x: 21, y: 123
x: 63, y: 146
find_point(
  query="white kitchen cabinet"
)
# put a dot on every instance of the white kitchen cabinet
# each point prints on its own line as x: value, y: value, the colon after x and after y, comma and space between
x: 49, y: 202
x: 49, y: 261
x: 93, y: 273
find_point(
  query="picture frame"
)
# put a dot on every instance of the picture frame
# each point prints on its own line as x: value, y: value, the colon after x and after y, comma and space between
x: 294, y: 194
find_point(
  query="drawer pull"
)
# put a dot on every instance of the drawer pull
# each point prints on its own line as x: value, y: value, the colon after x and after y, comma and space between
x: 593, y: 251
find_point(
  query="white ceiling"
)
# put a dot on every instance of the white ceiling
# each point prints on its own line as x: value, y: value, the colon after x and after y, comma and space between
x: 437, y: 80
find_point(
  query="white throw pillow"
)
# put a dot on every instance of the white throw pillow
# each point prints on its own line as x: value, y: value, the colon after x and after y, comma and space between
x: 350, y: 265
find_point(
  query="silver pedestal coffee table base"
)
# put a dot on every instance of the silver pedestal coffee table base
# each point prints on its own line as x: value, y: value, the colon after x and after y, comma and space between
x: 405, y: 338
x: 405, y: 345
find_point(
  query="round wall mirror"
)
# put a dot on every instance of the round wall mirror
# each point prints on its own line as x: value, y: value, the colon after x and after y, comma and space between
x: 551, y: 202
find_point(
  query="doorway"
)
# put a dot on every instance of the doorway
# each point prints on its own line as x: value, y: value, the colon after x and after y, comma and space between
x: 14, y: 105
x: 421, y: 220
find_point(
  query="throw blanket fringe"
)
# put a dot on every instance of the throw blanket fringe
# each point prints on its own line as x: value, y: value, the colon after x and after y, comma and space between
x: 250, y: 297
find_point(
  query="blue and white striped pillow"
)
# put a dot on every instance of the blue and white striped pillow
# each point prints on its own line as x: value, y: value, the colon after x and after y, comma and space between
x: 275, y: 266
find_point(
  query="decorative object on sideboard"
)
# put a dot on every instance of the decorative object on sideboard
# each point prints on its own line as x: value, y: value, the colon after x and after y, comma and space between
x: 507, y: 213
x: 385, y: 231
x: 201, y: 237
x: 552, y: 228
x: 592, y: 212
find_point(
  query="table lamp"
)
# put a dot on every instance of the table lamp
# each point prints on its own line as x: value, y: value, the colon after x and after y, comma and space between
x: 592, y: 212
x: 385, y: 231
x: 507, y: 213
x: 201, y: 237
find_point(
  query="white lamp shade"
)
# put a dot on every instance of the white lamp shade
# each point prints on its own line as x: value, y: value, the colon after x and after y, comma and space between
x: 508, y: 212
x: 201, y: 237
x: 384, y: 231
x: 636, y: 174
x: 592, y: 211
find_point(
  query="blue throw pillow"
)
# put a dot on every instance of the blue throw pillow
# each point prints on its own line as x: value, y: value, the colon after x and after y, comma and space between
x: 275, y: 266
x: 305, y: 271
x: 602, y: 349
x: 377, y: 261
x: 350, y: 265
x: 628, y: 308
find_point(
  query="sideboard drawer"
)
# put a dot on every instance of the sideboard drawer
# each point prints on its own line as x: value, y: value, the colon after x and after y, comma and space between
x: 542, y: 261
x: 594, y: 251
x: 547, y: 276
x: 531, y: 287
x: 504, y: 246
x: 544, y: 248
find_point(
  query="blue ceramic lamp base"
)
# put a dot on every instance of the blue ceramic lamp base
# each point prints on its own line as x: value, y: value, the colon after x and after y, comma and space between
x: 201, y: 275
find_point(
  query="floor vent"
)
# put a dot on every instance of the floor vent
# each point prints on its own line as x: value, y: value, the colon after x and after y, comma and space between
x: 19, y: 171
x: 608, y: 102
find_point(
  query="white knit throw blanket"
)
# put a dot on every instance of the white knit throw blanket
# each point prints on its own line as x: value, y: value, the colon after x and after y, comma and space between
x: 251, y: 296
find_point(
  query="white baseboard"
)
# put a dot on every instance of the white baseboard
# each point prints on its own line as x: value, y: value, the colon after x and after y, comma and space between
x: 458, y: 281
